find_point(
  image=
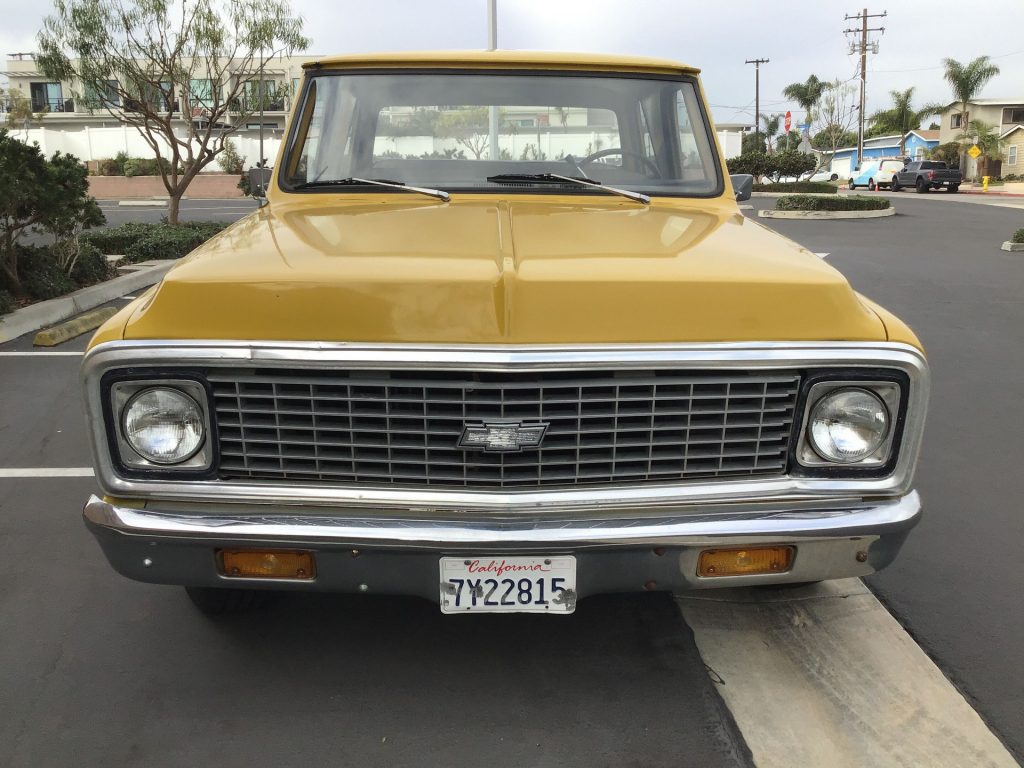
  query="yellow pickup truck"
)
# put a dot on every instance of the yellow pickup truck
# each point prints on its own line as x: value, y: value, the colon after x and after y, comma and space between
x: 500, y: 337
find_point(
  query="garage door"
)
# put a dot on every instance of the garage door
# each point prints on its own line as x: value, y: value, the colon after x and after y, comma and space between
x: 841, y: 166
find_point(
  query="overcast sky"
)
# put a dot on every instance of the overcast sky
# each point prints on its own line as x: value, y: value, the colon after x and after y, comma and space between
x: 799, y: 37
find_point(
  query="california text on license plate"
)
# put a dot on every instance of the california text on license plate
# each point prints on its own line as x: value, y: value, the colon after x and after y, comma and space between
x: 508, y: 584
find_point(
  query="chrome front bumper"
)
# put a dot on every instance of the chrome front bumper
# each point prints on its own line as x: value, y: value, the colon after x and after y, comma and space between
x: 390, y: 554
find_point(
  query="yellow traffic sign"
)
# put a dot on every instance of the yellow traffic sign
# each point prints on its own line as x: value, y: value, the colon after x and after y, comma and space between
x: 974, y: 151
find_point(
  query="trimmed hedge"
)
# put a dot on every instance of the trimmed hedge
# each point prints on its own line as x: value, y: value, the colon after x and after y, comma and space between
x: 797, y: 186
x: 167, y: 242
x: 1018, y: 236
x: 137, y: 241
x: 835, y: 203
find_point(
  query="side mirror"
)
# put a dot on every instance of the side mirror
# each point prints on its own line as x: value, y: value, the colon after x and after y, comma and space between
x: 259, y: 180
x: 742, y: 185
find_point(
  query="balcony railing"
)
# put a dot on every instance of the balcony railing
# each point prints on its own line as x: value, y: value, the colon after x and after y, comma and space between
x: 53, y: 105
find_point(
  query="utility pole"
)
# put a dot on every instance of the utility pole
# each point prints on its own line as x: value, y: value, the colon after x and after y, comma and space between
x: 492, y: 111
x: 862, y: 48
x: 757, y: 96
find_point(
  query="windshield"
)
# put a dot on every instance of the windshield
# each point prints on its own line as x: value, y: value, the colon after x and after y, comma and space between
x: 453, y: 131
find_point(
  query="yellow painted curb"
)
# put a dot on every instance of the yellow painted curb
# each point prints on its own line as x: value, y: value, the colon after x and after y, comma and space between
x: 76, y: 326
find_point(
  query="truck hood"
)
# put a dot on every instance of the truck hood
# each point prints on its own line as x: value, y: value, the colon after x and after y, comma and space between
x: 516, y: 270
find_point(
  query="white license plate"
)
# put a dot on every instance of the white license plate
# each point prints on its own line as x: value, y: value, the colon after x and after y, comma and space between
x: 508, y: 584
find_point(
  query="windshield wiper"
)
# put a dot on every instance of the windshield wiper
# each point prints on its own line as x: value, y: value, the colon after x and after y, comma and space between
x: 352, y: 181
x: 555, y: 178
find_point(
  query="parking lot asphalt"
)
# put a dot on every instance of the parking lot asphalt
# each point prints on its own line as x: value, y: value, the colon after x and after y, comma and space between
x: 98, y: 670
x: 106, y: 670
x: 957, y: 584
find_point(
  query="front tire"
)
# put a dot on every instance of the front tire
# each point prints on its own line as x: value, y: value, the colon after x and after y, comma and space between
x: 953, y: 188
x: 921, y: 186
x: 895, y: 185
x: 872, y: 187
x: 218, y: 601
x: 851, y: 185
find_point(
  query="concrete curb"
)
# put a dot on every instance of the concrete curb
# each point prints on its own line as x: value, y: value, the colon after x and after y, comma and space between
x: 47, y: 313
x: 774, y: 214
x: 1008, y: 246
x: 823, y: 675
x: 76, y: 326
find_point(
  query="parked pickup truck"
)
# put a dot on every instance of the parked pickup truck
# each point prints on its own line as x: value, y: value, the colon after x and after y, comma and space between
x: 463, y: 353
x: 924, y: 175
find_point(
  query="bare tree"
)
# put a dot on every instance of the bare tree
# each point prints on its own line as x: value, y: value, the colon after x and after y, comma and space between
x: 143, y: 60
x: 834, y: 118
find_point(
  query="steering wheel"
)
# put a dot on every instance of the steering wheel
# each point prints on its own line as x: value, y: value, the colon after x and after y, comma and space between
x: 624, y: 153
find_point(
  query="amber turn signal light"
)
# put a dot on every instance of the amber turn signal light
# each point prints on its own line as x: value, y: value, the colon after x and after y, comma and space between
x: 748, y: 561
x: 266, y: 564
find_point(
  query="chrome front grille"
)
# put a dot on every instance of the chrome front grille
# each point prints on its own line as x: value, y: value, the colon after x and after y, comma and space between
x: 403, y: 427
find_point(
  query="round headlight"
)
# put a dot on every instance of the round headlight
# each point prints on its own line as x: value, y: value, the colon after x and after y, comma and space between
x: 848, y: 425
x: 163, y: 425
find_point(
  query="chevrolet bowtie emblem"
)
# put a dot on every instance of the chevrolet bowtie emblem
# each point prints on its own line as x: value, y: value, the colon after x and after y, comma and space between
x: 503, y: 436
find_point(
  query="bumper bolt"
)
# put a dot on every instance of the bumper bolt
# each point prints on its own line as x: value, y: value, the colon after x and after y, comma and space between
x: 862, y: 556
x: 651, y: 585
x: 356, y: 553
x: 364, y: 587
x: 147, y: 563
x: 659, y: 551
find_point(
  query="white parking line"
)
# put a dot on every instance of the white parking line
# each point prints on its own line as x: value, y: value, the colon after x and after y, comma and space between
x: 47, y: 472
x: 41, y: 354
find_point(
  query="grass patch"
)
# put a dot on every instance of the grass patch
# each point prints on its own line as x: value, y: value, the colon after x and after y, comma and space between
x: 798, y: 186
x: 833, y: 203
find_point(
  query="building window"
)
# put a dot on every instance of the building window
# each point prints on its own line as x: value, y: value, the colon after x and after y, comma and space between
x: 955, y: 120
x: 1013, y: 115
x: 201, y: 92
x: 109, y: 97
x: 919, y: 153
x: 47, y: 97
x: 1011, y: 155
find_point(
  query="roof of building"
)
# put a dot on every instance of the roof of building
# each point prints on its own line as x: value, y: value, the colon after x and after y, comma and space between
x: 989, y: 102
x: 1010, y: 130
x: 527, y: 59
x: 926, y: 135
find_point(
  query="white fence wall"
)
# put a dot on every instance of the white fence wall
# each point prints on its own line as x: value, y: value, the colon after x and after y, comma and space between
x: 99, y: 143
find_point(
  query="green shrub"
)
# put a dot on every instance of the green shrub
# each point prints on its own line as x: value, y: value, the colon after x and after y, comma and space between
x: 1011, y: 177
x: 7, y: 302
x: 1018, y: 236
x: 836, y: 203
x: 797, y: 186
x: 41, y: 276
x: 167, y: 243
x: 91, y: 266
x: 230, y: 160
x: 115, y: 240
x: 108, y: 167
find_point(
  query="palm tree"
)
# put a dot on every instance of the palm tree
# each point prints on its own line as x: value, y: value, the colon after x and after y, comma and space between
x: 771, y: 127
x: 806, y: 94
x: 901, y: 117
x: 967, y: 80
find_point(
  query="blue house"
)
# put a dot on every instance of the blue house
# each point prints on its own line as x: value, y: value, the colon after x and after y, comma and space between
x: 916, y: 143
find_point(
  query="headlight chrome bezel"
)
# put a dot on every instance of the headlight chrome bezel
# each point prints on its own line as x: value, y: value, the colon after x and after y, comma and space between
x: 129, y: 461
x: 891, y: 391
